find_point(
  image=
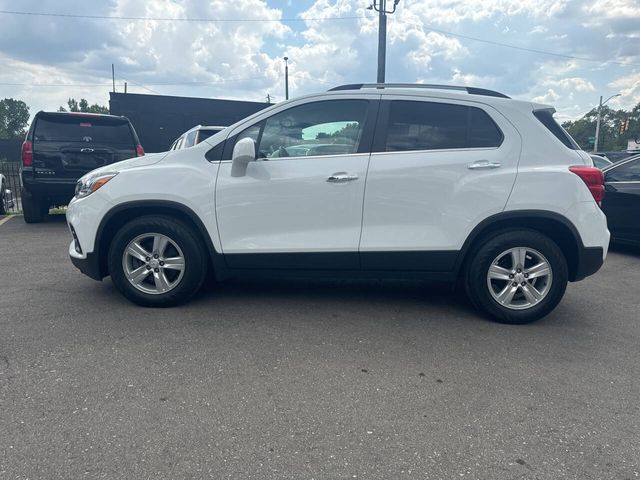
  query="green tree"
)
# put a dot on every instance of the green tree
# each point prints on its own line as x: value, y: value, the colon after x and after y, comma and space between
x: 583, y: 130
x: 14, y: 117
x: 83, y: 106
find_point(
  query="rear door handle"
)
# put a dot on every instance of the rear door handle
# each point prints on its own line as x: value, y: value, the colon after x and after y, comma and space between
x: 341, y: 177
x: 483, y: 165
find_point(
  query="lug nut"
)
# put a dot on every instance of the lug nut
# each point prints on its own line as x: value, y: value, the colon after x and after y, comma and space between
x: 515, y: 284
x: 148, y: 258
x: 148, y: 267
x: 162, y: 264
x: 511, y: 275
x: 526, y: 275
x: 523, y: 283
x: 156, y: 270
x: 155, y: 255
x: 518, y: 270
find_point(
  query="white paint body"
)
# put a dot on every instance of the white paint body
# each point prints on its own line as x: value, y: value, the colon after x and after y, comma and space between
x: 401, y: 201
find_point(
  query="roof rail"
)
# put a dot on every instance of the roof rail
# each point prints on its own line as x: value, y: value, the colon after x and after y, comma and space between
x: 469, y: 90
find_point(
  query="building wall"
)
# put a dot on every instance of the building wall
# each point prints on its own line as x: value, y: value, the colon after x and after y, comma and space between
x: 160, y: 119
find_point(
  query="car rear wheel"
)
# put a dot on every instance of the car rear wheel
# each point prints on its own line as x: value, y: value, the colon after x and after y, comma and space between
x: 157, y: 261
x: 31, y: 208
x: 517, y: 276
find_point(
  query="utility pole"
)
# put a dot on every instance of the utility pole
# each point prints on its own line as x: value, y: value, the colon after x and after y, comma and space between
x: 380, y: 6
x: 286, y: 78
x: 600, y: 105
x: 113, y: 76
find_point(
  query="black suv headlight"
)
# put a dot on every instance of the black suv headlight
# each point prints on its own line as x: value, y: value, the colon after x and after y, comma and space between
x: 87, y: 185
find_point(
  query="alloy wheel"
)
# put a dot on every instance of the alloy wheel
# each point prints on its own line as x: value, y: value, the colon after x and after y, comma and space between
x: 153, y: 263
x: 519, y: 278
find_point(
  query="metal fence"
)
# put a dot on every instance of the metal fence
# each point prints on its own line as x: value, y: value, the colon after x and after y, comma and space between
x: 11, y: 173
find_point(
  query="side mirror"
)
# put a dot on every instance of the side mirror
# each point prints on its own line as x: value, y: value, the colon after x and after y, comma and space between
x: 243, y: 153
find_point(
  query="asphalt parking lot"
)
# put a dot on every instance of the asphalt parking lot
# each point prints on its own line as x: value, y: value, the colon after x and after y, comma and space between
x: 313, y: 380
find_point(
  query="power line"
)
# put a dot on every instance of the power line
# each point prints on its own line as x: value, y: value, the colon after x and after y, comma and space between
x: 154, y: 84
x: 173, y: 19
x: 516, y: 47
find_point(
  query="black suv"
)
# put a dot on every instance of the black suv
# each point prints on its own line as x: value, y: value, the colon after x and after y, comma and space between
x: 61, y: 147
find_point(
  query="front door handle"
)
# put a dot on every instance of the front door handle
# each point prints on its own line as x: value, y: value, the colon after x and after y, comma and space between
x: 341, y: 177
x: 483, y: 165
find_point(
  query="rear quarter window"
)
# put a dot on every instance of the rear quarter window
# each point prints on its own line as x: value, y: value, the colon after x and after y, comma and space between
x: 83, y: 129
x: 546, y: 118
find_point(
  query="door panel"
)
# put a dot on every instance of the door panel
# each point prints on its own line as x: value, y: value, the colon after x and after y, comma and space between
x: 287, y: 205
x: 299, y: 205
x: 621, y: 205
x: 621, y: 202
x: 431, y: 199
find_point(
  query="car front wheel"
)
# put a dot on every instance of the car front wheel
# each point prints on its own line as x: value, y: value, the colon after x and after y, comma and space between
x: 157, y: 261
x: 517, y: 276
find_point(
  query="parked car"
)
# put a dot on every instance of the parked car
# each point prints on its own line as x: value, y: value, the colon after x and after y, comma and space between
x: 600, y: 161
x: 61, y: 147
x: 6, y: 196
x: 461, y: 184
x: 621, y: 202
x: 616, y: 156
x: 194, y: 136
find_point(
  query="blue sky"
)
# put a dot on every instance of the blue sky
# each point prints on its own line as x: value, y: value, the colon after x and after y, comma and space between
x: 46, y: 59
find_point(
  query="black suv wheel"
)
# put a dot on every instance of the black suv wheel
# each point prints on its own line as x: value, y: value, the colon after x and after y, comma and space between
x: 33, y: 208
x: 4, y: 204
x: 517, y: 276
x: 157, y: 261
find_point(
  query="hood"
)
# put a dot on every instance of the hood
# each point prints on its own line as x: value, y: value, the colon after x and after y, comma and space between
x: 135, y: 162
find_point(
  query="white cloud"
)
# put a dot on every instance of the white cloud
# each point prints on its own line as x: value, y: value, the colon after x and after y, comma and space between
x: 573, y: 84
x: 629, y: 88
x: 550, y: 97
x: 244, y: 59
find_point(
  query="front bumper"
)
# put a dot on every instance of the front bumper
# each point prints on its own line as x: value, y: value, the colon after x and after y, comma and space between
x: 90, y: 265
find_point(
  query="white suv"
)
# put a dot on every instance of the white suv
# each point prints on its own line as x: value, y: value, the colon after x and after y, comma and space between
x: 373, y: 181
x: 194, y: 136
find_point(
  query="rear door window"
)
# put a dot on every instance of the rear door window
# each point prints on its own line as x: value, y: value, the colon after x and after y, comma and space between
x: 71, y: 128
x: 417, y: 125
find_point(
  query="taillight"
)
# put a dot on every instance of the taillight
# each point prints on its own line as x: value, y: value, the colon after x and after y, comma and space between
x: 139, y: 150
x: 27, y: 153
x: 593, y: 178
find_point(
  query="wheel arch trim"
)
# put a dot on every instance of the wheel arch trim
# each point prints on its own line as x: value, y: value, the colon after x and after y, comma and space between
x: 160, y: 205
x: 511, y: 218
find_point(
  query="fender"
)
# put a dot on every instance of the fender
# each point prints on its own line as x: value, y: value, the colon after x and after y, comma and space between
x: 159, y: 205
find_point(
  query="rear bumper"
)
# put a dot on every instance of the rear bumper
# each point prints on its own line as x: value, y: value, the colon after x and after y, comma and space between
x: 48, y: 187
x: 590, y: 259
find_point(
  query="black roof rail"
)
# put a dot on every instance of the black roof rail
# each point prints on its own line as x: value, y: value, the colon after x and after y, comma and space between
x: 469, y: 90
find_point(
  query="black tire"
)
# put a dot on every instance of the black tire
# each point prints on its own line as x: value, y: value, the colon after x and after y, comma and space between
x: 478, y: 268
x: 3, y: 200
x: 31, y: 207
x: 193, y: 250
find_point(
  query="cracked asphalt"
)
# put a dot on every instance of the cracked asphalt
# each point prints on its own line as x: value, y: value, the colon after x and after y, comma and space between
x: 309, y: 379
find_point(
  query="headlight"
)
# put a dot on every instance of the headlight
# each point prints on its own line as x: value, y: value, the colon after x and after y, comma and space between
x: 88, y: 185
